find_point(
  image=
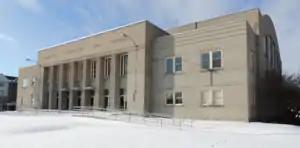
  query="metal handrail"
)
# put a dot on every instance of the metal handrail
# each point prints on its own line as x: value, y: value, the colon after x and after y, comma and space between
x: 161, y: 120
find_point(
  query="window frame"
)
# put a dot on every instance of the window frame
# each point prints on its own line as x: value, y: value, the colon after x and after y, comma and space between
x: 174, y: 98
x: 173, y: 93
x: 166, y: 97
x: 93, y: 69
x: 202, y: 98
x: 107, y: 67
x: 212, y: 98
x: 181, y: 64
x: 166, y: 65
x: 173, y: 58
x: 123, y: 64
x: 211, y: 60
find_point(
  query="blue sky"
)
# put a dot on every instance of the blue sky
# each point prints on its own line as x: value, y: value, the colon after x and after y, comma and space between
x: 29, y: 25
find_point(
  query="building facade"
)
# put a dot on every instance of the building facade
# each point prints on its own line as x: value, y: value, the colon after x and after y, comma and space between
x: 211, y: 69
x: 8, y: 92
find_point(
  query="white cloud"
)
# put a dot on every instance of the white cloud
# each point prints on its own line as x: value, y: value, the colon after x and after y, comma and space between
x: 6, y: 38
x: 32, y: 5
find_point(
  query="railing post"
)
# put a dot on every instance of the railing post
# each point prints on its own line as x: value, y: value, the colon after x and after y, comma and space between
x: 161, y: 122
x: 180, y: 123
x: 129, y: 117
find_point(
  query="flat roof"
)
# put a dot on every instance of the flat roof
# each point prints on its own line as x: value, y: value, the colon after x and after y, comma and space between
x: 91, y: 35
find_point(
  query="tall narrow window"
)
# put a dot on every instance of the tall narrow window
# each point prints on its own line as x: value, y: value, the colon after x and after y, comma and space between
x: 169, y: 98
x: 123, y: 64
x: 106, y: 98
x: 178, y: 64
x: 205, y: 61
x: 218, y: 98
x: 178, y: 98
x: 93, y: 69
x: 169, y: 65
x: 107, y: 61
x: 123, y: 100
x: 216, y: 59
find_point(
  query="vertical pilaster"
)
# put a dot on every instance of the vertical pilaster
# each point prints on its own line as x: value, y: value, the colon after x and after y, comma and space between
x: 71, y: 85
x: 84, y: 82
x: 60, y: 85
x: 41, y: 87
x: 51, y: 90
x: 99, y: 99
x: 114, y: 85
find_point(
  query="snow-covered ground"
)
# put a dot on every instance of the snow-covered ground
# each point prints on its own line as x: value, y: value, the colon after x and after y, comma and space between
x: 65, y: 131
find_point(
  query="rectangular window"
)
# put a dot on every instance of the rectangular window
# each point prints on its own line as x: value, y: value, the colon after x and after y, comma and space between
x: 206, y: 98
x: 25, y: 83
x: 123, y: 64
x: 212, y: 98
x: 169, y: 65
x: 107, y: 61
x: 211, y: 60
x: 1, y: 84
x: 106, y: 92
x: 174, y: 98
x: 205, y: 61
x: 218, y: 98
x: 122, y: 92
x: 178, y: 64
x: 178, y: 98
x: 93, y: 69
x: 169, y: 98
x: 216, y: 56
x: 173, y: 64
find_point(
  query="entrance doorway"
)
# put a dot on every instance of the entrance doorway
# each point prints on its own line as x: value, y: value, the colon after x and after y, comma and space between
x: 78, y: 99
x: 106, y: 98
x: 123, y: 100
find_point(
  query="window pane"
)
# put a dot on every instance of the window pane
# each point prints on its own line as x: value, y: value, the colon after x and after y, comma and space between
x: 169, y: 65
x: 216, y: 59
x: 218, y: 97
x: 122, y: 92
x: 178, y: 98
x: 125, y: 63
x: 106, y: 92
x: 205, y: 61
x: 178, y: 64
x: 169, y: 98
x: 206, y: 98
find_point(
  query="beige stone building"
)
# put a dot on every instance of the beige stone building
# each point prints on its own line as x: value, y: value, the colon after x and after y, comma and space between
x: 211, y: 69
